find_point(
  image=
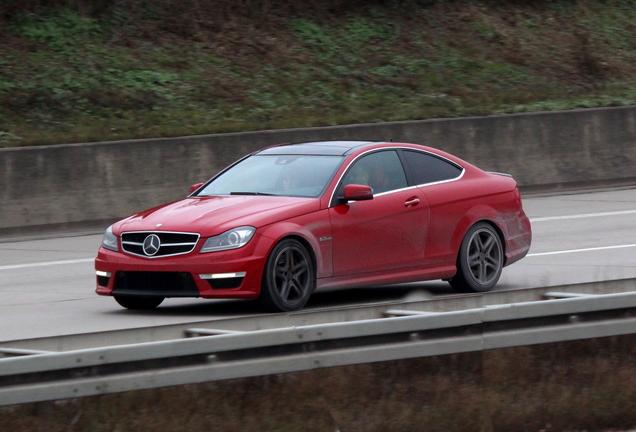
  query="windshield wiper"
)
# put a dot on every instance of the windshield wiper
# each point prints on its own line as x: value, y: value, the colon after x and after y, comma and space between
x: 250, y: 193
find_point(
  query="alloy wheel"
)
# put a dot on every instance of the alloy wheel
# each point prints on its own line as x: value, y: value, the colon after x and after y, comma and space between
x: 484, y: 256
x: 291, y: 274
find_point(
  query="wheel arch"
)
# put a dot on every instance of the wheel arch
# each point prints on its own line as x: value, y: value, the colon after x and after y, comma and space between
x: 308, y: 246
x: 478, y: 214
x: 500, y: 234
x: 280, y: 232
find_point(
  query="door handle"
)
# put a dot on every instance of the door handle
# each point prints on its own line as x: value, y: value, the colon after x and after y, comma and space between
x: 411, y: 202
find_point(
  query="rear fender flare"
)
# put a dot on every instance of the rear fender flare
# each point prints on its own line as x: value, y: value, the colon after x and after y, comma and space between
x: 479, y: 213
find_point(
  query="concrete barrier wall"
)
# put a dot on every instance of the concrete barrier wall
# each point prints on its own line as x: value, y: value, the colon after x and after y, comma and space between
x: 80, y: 185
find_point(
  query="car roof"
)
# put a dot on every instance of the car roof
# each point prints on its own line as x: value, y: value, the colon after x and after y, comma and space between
x: 324, y: 148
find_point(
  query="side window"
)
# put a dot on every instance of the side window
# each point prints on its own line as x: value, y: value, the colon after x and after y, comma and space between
x: 428, y: 169
x: 382, y: 171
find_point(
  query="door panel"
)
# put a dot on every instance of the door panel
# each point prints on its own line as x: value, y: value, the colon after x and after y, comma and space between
x: 387, y: 232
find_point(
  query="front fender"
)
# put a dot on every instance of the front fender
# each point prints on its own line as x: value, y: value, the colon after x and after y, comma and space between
x: 314, y: 231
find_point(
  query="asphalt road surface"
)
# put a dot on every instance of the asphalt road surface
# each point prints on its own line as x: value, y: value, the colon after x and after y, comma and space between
x: 47, y: 284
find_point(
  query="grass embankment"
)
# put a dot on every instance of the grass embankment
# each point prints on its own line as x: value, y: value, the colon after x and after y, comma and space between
x: 574, y: 386
x: 88, y: 70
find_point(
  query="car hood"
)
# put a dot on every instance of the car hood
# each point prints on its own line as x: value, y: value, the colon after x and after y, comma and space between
x: 212, y: 215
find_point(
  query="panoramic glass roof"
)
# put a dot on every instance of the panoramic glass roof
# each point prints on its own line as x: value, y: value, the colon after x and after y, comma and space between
x: 333, y: 148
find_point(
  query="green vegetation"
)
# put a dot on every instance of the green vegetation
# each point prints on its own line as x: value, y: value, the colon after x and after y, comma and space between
x: 92, y: 70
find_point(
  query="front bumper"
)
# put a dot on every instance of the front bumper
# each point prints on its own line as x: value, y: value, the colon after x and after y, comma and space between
x: 227, y: 274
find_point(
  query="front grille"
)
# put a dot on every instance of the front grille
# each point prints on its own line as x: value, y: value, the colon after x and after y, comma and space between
x: 170, y: 243
x: 167, y: 284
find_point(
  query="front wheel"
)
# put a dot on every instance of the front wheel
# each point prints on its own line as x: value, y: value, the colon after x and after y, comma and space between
x: 288, y: 279
x: 480, y: 260
x: 139, y: 302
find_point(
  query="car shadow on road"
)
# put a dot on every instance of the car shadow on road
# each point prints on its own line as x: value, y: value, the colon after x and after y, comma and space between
x: 321, y: 300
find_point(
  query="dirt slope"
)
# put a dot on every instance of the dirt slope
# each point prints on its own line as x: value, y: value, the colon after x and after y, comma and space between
x: 87, y: 70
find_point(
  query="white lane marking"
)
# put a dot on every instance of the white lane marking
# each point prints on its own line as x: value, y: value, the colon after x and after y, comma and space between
x: 582, y: 216
x: 84, y: 260
x: 48, y: 263
x: 582, y: 250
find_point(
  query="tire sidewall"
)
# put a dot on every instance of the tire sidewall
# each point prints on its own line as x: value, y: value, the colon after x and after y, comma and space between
x: 269, y: 295
x: 467, y: 281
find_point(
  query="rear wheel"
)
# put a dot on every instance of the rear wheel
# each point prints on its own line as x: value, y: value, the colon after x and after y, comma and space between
x: 288, y: 279
x: 480, y: 260
x: 139, y: 302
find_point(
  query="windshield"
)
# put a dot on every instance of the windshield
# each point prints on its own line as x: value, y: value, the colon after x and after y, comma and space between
x: 290, y: 175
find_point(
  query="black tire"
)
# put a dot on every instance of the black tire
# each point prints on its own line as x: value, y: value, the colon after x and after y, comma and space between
x: 139, y: 302
x: 480, y: 260
x: 288, y: 278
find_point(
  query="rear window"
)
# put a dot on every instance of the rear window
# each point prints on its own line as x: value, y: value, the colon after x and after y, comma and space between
x: 427, y: 168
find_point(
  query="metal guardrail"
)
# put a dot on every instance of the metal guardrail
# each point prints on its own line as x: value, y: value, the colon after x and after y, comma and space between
x: 416, y: 301
x: 211, y: 355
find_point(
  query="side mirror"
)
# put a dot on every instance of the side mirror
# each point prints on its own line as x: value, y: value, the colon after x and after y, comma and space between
x: 195, y: 187
x: 355, y: 192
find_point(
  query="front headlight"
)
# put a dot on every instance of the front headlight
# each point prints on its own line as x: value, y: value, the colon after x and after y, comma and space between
x: 232, y: 239
x: 109, y: 241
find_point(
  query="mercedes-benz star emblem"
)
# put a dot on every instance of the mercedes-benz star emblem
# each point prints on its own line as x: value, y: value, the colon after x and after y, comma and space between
x: 152, y: 243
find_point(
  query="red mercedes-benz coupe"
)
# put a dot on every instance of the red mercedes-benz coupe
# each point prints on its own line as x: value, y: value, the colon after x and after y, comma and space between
x: 287, y: 220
